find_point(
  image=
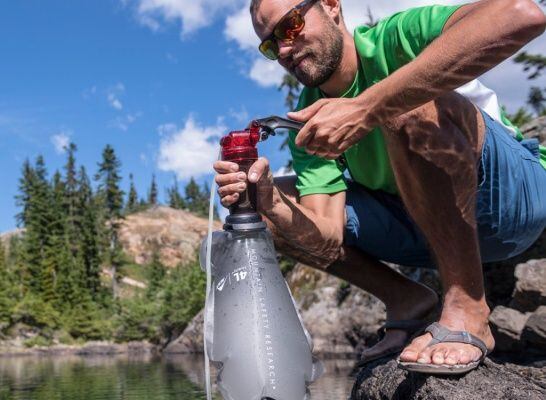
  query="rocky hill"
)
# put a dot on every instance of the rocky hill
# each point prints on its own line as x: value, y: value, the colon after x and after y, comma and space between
x: 175, y: 234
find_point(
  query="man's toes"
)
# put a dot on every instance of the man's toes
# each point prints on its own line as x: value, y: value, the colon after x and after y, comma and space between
x: 409, y: 355
x: 452, y: 357
x: 464, y: 357
x: 425, y: 356
x: 411, y: 352
x: 438, y: 355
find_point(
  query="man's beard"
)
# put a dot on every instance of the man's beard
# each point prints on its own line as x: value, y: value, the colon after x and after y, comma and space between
x: 319, y: 69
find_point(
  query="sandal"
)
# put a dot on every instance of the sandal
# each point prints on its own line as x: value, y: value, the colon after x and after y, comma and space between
x: 441, y: 334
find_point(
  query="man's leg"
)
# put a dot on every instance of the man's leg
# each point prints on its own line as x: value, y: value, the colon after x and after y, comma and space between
x: 403, y: 297
x: 434, y: 152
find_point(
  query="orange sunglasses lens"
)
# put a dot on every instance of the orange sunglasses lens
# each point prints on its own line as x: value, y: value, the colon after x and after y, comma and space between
x: 289, y: 26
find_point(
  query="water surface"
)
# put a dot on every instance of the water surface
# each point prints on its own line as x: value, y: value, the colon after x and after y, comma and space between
x: 178, y: 377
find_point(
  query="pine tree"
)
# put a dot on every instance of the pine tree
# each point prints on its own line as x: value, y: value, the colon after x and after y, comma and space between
x: 194, y: 198
x: 174, y: 197
x: 205, y: 202
x: 520, y: 117
x: 132, y: 200
x: 109, y: 179
x: 293, y: 89
x: 7, y: 290
x: 26, y: 187
x: 536, y: 99
x: 110, y: 198
x: 89, y: 235
x: 156, y: 275
x: 152, y: 194
x: 70, y: 200
x: 35, y: 200
x: 534, y: 64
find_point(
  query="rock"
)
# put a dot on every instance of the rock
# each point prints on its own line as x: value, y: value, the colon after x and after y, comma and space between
x: 534, y: 332
x: 191, y: 340
x: 176, y: 234
x: 530, y: 290
x: 507, y: 325
x: 338, y: 316
x: 535, y: 129
x: 379, y: 381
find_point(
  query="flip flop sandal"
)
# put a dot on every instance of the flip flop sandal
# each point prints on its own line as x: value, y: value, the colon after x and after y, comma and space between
x: 413, y: 327
x: 441, y: 334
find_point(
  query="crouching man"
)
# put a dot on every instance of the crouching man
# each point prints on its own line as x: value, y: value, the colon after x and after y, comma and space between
x: 434, y: 179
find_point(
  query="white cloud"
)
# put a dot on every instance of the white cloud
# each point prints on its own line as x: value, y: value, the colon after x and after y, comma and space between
x: 239, y: 28
x: 190, y: 150
x: 266, y: 73
x: 190, y: 14
x: 284, y: 171
x: 240, y: 116
x: 61, y: 141
x: 143, y: 158
x: 113, y: 95
x: 124, y: 122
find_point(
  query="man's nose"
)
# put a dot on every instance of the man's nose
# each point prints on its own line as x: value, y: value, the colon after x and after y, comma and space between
x: 285, y: 48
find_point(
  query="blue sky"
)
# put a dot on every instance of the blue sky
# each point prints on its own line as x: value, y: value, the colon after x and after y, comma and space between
x: 156, y: 79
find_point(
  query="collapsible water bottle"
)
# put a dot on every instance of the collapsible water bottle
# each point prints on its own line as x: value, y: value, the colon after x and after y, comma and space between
x: 254, y: 336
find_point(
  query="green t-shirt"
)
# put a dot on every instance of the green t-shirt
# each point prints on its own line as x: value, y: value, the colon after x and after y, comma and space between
x: 382, y: 49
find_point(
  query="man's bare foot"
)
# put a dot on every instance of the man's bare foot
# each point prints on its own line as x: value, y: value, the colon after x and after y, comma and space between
x: 418, y: 303
x: 472, y: 318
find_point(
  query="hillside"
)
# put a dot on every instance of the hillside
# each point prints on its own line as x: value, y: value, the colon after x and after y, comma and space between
x: 175, y: 234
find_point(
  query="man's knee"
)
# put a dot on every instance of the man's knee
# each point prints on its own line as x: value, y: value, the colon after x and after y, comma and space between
x: 446, y: 126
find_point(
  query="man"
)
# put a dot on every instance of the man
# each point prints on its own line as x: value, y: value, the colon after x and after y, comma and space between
x: 435, y: 180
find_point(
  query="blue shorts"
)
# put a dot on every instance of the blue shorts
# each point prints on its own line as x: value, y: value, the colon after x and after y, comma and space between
x: 510, y: 211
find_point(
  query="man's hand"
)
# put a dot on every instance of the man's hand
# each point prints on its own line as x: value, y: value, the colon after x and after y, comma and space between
x: 231, y: 182
x: 332, y: 126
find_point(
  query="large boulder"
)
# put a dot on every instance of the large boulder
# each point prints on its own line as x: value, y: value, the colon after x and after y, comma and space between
x: 339, y: 317
x: 534, y: 331
x: 507, y: 325
x: 191, y: 339
x: 378, y: 381
x: 530, y: 290
x: 175, y: 234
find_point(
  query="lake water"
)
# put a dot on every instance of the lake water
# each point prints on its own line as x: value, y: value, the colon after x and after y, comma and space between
x: 133, y: 378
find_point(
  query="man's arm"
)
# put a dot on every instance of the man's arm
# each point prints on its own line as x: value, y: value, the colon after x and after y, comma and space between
x: 312, y: 229
x: 475, y: 38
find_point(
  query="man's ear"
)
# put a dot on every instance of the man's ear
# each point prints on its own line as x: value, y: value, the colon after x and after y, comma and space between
x: 332, y: 8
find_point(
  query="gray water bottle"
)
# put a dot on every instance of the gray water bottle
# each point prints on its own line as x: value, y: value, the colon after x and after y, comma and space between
x: 255, y: 338
x: 254, y: 334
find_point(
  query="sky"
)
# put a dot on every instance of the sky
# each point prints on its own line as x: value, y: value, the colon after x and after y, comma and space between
x: 159, y: 80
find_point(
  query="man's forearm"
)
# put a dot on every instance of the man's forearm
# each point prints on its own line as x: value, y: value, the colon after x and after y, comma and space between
x: 491, y: 32
x: 312, y: 238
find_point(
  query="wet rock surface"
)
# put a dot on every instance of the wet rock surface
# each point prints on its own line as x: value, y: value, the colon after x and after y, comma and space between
x: 491, y: 380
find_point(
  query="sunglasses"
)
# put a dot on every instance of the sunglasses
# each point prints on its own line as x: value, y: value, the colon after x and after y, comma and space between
x: 286, y: 30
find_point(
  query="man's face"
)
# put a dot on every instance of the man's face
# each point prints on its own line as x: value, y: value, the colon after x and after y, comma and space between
x: 315, y: 53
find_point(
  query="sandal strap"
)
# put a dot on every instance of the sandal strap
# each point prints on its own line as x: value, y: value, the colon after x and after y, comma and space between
x: 441, y: 334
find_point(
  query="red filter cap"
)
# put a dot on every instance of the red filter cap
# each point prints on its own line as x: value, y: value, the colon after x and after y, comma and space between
x: 240, y: 145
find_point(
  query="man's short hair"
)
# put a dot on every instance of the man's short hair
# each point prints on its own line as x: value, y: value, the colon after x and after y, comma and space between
x: 254, y: 4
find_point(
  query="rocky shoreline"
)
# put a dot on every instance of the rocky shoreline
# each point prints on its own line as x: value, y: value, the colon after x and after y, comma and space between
x: 10, y: 348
